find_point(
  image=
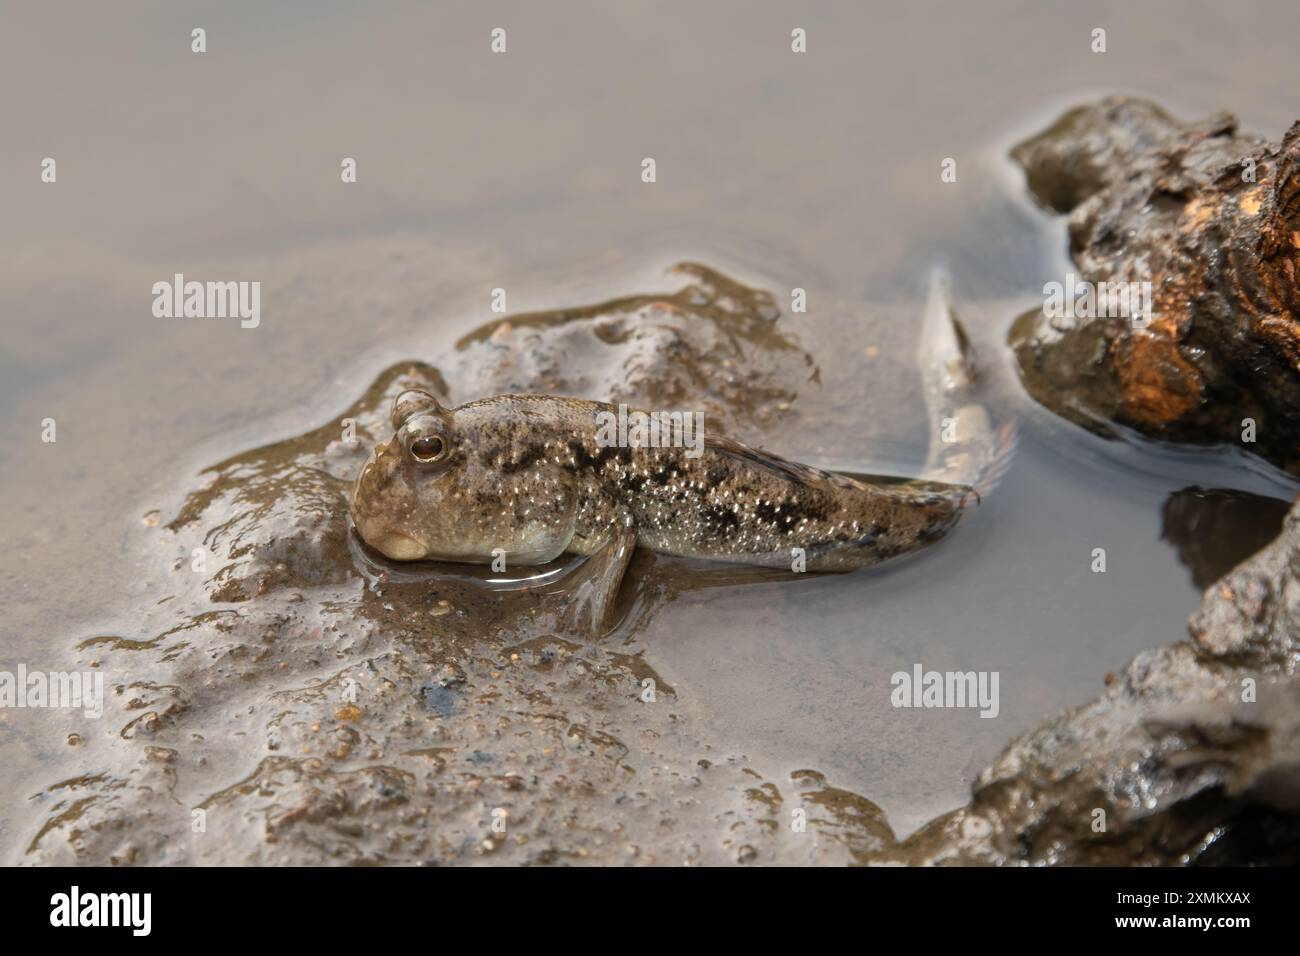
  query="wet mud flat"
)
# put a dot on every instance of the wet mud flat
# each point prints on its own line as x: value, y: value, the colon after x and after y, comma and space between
x: 429, y: 714
x: 290, y: 697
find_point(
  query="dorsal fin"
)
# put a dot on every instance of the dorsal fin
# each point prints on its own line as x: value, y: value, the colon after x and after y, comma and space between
x: 792, y: 470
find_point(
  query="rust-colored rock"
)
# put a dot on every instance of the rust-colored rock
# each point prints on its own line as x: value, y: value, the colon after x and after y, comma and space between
x: 1211, y: 219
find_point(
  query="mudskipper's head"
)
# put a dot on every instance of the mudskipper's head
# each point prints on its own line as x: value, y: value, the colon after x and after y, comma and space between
x: 469, y: 484
x: 401, y: 501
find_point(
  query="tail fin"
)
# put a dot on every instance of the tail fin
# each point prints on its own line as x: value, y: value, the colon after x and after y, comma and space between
x: 967, y: 445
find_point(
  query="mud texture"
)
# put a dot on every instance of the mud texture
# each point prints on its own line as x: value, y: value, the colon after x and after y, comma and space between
x: 291, y: 698
x: 1211, y: 218
x: 280, y: 695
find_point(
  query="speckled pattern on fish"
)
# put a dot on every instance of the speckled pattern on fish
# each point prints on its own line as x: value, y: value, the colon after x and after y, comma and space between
x: 526, y: 478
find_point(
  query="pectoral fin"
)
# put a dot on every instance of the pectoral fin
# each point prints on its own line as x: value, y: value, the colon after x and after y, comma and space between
x: 595, y: 584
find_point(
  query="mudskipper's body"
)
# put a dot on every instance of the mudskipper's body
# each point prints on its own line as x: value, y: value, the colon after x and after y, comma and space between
x: 530, y: 477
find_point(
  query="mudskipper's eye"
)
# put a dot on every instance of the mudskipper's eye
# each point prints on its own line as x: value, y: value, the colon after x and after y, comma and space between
x: 429, y: 448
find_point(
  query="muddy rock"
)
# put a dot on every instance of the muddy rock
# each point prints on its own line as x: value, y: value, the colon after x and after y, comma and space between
x: 1191, y: 756
x: 1210, y: 217
x: 714, y: 344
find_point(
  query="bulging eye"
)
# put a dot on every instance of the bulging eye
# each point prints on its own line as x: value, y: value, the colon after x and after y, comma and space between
x: 428, y: 448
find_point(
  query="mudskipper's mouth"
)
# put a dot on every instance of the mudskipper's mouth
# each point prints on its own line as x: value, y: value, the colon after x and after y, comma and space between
x: 392, y: 544
x: 400, y: 547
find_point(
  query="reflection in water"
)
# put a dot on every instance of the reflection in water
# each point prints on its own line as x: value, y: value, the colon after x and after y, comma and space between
x: 1215, y: 530
x: 651, y: 580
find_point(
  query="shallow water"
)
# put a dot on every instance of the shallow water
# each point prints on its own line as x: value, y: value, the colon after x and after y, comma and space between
x: 522, y: 171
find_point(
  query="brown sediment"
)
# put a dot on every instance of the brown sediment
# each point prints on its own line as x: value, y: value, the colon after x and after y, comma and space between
x: 1158, y: 385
